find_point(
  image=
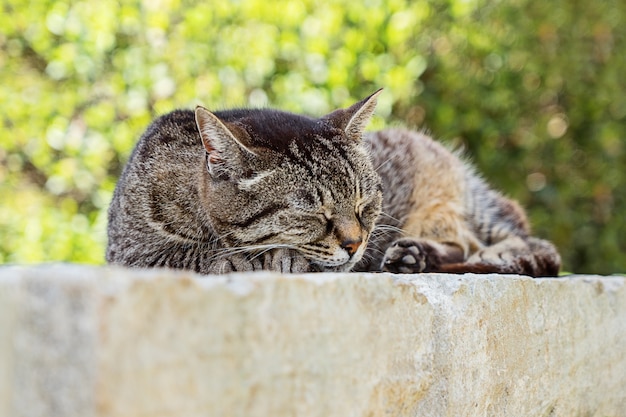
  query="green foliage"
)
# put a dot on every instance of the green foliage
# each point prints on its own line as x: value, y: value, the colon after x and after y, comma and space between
x: 532, y: 89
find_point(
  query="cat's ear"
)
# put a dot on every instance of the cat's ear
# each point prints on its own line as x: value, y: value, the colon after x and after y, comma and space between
x: 355, y: 118
x: 223, y: 142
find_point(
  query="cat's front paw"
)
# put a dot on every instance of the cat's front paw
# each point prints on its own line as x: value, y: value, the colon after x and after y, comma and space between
x: 278, y: 260
x: 287, y: 261
x: 239, y: 262
x: 407, y: 256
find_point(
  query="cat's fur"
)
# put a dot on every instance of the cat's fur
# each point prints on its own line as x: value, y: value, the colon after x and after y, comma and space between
x: 244, y: 190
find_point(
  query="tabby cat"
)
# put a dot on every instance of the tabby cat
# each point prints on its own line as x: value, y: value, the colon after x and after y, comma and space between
x: 253, y: 189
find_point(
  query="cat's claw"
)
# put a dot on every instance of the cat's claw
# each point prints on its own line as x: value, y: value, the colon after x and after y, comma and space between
x: 407, y: 256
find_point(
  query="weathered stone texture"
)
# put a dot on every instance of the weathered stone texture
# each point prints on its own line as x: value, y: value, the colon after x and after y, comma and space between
x: 84, y: 341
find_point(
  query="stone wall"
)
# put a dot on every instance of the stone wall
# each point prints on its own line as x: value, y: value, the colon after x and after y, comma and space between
x: 86, y: 341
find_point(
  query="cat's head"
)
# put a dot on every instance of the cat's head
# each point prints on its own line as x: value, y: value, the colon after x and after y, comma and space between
x: 276, y: 179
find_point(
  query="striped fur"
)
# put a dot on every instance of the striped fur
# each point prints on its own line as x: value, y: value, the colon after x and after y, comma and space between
x: 440, y: 216
x: 245, y: 190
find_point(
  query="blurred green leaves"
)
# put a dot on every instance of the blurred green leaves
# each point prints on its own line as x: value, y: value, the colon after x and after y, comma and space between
x: 533, y: 90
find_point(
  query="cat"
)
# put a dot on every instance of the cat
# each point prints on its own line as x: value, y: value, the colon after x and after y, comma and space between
x: 262, y: 189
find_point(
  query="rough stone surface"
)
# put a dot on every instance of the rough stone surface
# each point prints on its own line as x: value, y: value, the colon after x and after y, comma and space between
x: 86, y: 341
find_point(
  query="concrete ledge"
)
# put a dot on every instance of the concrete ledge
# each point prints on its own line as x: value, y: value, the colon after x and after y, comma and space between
x: 84, y: 341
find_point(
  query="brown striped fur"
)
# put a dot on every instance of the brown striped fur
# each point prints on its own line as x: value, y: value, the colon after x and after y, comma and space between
x: 244, y: 190
x: 444, y: 218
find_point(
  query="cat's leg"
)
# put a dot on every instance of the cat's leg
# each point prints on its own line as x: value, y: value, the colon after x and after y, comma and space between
x: 278, y: 260
x: 515, y: 255
x: 409, y: 255
x: 436, y: 236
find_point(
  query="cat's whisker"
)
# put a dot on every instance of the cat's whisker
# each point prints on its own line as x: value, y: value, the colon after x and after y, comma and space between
x: 389, y: 216
x: 255, y: 255
x: 252, y: 250
x: 369, y: 251
x: 383, y: 234
x: 387, y: 228
x: 385, y: 162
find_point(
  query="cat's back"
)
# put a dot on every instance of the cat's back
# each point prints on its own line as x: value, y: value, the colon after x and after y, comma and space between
x: 415, y: 167
x: 159, y: 179
x: 434, y: 192
x: 164, y: 158
x: 177, y: 126
x: 166, y: 155
x: 167, y: 136
x: 411, y: 148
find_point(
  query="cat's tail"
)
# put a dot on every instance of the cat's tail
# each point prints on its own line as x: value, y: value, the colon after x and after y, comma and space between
x: 538, y: 258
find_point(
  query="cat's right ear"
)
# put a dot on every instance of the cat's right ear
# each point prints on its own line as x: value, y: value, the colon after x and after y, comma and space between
x: 219, y: 141
x: 354, y: 119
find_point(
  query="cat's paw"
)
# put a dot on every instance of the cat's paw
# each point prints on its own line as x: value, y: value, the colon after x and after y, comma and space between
x: 286, y: 261
x: 408, y: 256
x: 239, y: 262
x: 277, y: 260
x: 530, y: 256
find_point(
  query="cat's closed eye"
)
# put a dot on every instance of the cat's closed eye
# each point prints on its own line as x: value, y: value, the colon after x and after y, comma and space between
x: 367, y: 215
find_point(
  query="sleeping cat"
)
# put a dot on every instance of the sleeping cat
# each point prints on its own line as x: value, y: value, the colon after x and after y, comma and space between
x: 253, y: 189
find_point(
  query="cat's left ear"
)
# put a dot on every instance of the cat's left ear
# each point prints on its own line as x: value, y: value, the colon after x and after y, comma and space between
x: 355, y: 118
x: 224, y: 142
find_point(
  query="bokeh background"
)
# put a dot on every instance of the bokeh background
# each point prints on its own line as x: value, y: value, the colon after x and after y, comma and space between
x: 534, y: 90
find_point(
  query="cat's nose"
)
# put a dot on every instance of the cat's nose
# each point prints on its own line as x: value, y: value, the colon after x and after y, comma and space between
x: 351, y: 245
